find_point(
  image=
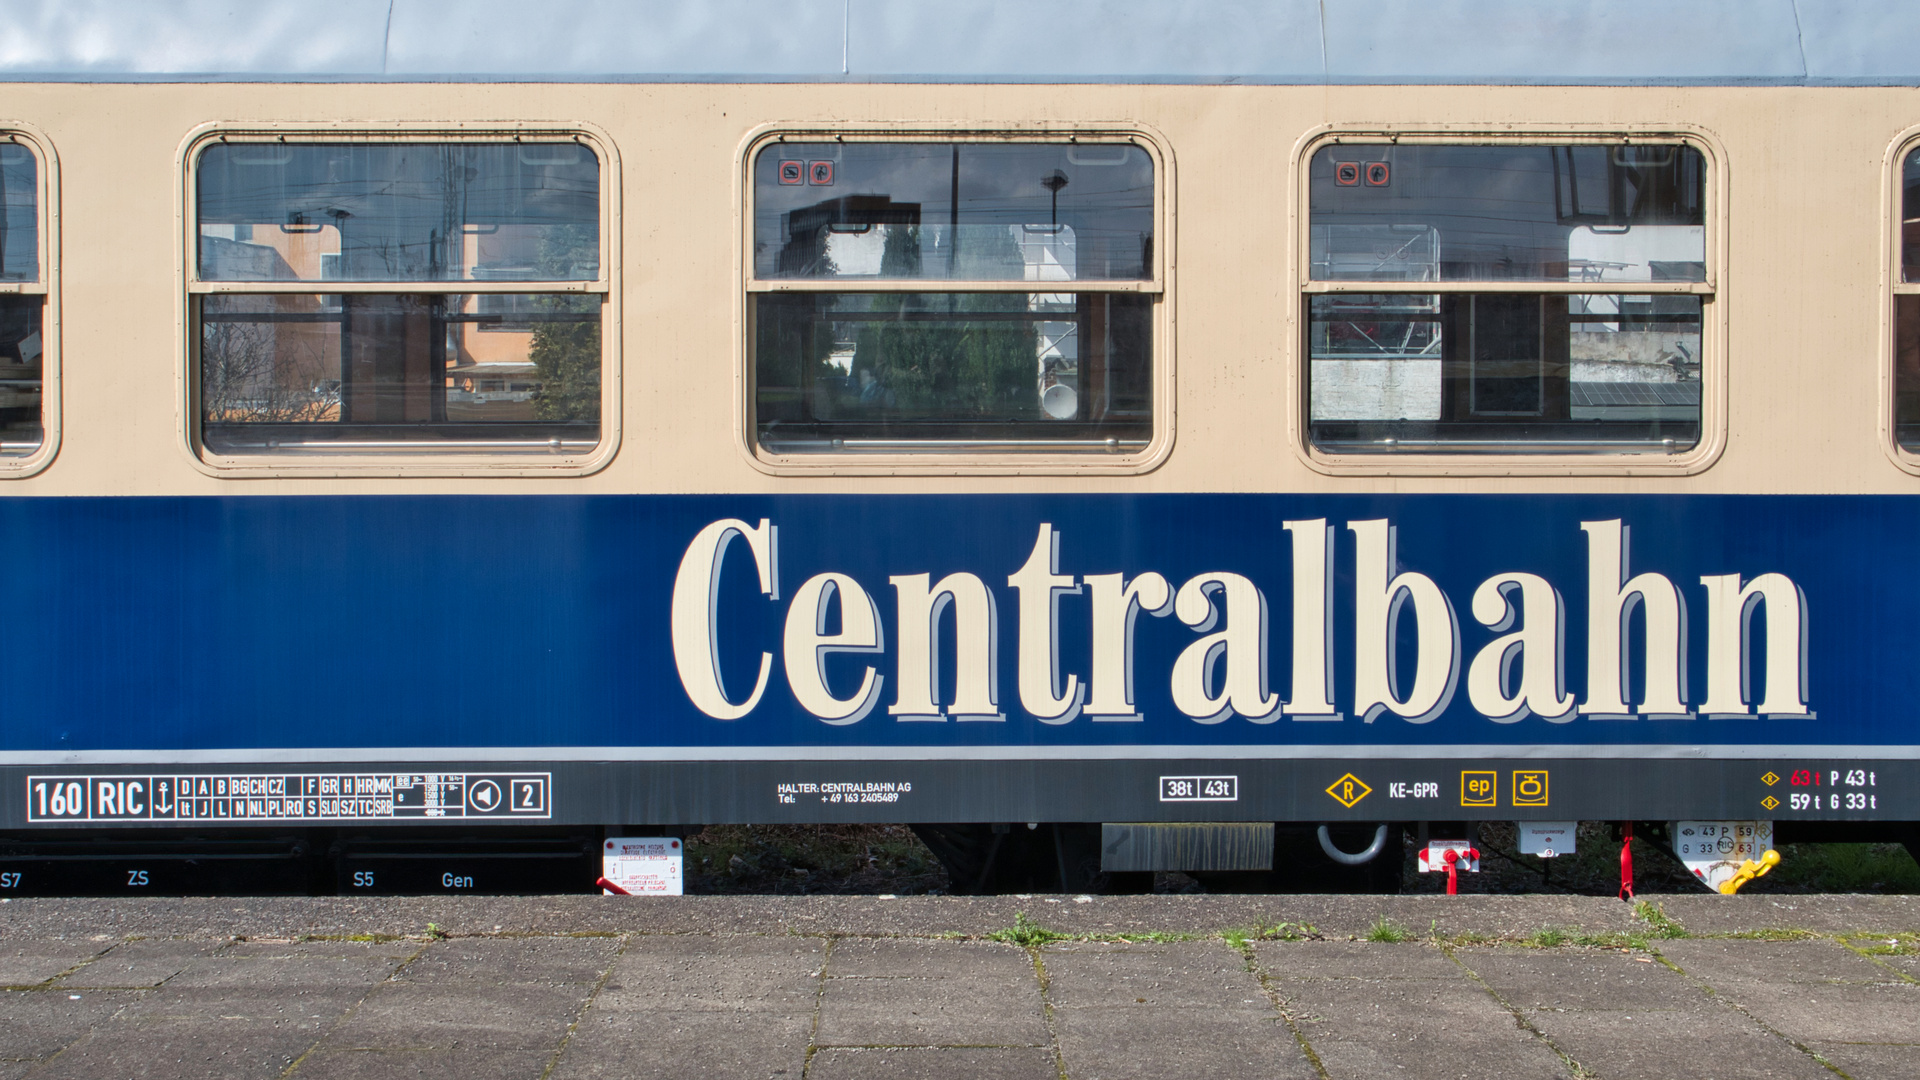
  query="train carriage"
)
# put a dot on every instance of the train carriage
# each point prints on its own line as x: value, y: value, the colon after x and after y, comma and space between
x: 1108, y: 436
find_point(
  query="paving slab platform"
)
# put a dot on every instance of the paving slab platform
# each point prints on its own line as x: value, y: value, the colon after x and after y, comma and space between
x: 836, y: 988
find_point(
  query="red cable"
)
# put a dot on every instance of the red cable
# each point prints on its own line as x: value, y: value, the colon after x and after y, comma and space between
x: 1626, y: 863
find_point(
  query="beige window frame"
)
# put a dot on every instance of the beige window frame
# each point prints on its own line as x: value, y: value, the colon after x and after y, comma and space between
x: 47, y: 194
x: 1713, y: 370
x: 1892, y: 243
x: 971, y: 458
x: 424, y: 459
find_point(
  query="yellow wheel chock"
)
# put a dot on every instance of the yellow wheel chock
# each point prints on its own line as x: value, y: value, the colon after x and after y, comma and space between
x: 1750, y: 870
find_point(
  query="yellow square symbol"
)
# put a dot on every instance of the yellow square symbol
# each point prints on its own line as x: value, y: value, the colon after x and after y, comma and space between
x: 1769, y: 802
x: 1479, y: 788
x: 1348, y: 790
x: 1530, y: 787
x: 1769, y: 779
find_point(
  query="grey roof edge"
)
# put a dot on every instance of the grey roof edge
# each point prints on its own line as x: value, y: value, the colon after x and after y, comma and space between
x: 748, y: 78
x: 970, y: 42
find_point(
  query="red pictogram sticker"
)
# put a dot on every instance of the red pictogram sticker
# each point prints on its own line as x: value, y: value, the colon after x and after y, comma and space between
x: 1346, y: 173
x: 820, y: 173
x: 1377, y: 174
x: 793, y: 172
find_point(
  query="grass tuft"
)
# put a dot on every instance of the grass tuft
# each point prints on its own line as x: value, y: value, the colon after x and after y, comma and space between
x: 1026, y: 933
x: 1151, y: 937
x: 1239, y: 938
x: 1386, y: 930
x: 1549, y: 938
x: 1612, y: 940
x: 1664, y: 926
x: 1883, y: 944
x: 1771, y: 934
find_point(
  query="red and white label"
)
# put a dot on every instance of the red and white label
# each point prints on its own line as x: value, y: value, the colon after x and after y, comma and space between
x: 1433, y: 859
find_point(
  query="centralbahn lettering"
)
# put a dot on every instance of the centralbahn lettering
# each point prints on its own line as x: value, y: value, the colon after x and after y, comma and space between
x: 1404, y: 636
x: 315, y: 797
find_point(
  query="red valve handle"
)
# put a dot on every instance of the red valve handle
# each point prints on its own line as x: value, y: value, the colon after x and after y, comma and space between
x: 611, y: 887
x: 1626, y: 862
x: 1452, y: 858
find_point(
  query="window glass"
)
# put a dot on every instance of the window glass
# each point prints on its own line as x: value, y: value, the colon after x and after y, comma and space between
x: 1009, y: 371
x: 399, y: 212
x: 286, y: 372
x: 1910, y: 218
x: 1583, y: 364
x: 838, y: 370
x: 955, y: 211
x: 432, y: 364
x: 1906, y: 370
x: 19, y: 214
x: 20, y: 356
x: 1504, y: 371
x: 1594, y: 213
x: 21, y: 346
x: 1906, y: 312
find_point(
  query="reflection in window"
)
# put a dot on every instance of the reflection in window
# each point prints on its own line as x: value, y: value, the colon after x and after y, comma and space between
x: 398, y: 212
x: 1062, y: 370
x: 850, y: 371
x: 1906, y: 370
x: 19, y: 214
x: 1906, y: 312
x: 21, y: 345
x: 1582, y: 364
x: 285, y: 370
x: 20, y: 356
x: 1515, y: 213
x: 1910, y: 218
x: 1490, y: 371
x: 958, y: 211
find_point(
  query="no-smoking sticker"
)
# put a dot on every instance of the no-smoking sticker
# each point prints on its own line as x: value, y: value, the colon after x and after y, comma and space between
x: 793, y: 172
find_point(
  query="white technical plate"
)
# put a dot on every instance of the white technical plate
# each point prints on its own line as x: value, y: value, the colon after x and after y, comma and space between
x: 1714, y: 850
x: 1547, y: 839
x: 644, y: 865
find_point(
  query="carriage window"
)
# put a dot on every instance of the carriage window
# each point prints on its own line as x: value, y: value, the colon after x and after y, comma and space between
x: 954, y: 297
x: 1906, y: 310
x: 1418, y: 340
x: 466, y: 310
x: 22, y: 348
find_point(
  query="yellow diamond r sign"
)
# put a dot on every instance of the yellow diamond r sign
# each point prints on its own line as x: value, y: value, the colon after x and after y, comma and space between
x: 1769, y: 802
x: 1348, y: 790
x: 1769, y: 779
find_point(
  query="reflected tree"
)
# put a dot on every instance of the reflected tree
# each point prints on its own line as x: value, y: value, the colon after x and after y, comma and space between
x: 566, y: 351
x: 249, y: 374
x: 953, y: 367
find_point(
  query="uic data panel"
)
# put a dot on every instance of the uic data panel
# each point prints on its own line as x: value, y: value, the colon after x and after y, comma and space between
x: 263, y: 797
